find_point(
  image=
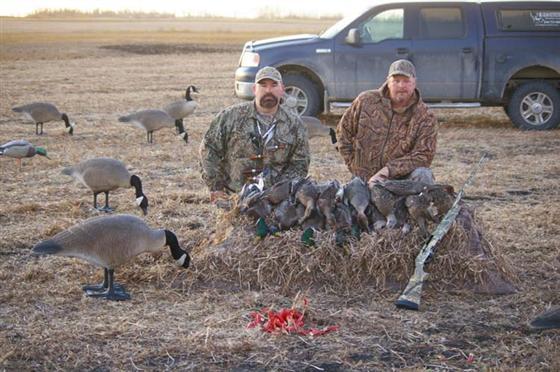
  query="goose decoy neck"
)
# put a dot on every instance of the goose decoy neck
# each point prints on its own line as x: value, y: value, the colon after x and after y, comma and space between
x: 332, y: 133
x: 180, y: 256
x: 141, y: 199
x: 67, y: 124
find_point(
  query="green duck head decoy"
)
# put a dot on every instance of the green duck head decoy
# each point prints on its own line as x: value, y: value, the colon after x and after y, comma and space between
x: 262, y: 229
x: 307, y: 238
x: 41, y: 151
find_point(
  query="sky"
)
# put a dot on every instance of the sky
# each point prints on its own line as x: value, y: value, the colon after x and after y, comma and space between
x: 230, y: 8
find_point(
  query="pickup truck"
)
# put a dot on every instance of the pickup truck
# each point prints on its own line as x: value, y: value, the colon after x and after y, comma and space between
x: 467, y: 54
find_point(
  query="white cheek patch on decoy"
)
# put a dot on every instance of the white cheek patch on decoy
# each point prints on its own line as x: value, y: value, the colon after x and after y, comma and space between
x: 182, y: 135
x: 139, y: 200
x: 181, y: 260
x: 72, y: 124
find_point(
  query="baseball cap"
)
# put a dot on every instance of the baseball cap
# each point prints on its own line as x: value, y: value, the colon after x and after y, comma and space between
x: 402, y: 67
x: 268, y: 72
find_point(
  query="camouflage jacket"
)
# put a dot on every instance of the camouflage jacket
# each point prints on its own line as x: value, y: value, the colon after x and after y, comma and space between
x: 231, y: 147
x: 371, y: 135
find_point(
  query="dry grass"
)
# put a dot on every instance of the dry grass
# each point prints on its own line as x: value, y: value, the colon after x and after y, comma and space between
x: 196, y: 318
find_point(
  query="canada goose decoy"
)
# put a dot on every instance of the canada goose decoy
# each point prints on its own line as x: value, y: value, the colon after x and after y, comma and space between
x: 42, y: 112
x: 104, y: 175
x: 151, y: 120
x: 108, y: 242
x: 19, y: 149
x: 548, y: 320
x: 181, y: 109
x: 315, y: 128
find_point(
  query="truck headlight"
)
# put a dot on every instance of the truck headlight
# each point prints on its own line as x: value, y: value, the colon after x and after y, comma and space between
x: 250, y: 59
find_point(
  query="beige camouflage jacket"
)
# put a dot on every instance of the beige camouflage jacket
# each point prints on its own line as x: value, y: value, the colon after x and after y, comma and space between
x: 371, y: 135
x: 231, y: 147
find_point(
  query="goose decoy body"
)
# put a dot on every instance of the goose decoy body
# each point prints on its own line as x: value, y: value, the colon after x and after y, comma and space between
x: 105, y: 175
x: 548, y: 320
x: 20, y: 149
x: 108, y: 242
x: 151, y: 120
x: 181, y: 109
x: 42, y: 112
x: 316, y: 128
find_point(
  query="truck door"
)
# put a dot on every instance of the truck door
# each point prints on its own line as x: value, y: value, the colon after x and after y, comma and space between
x: 363, y: 65
x: 446, y: 50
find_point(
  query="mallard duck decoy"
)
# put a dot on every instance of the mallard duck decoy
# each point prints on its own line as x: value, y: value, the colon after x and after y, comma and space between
x: 20, y: 149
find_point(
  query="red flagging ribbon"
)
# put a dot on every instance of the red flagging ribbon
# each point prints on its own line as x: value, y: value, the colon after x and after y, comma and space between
x: 285, y: 321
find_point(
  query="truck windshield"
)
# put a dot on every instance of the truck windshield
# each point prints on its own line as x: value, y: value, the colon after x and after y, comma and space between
x: 343, y: 23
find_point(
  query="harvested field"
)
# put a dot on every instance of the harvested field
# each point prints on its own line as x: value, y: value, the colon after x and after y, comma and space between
x: 196, y: 319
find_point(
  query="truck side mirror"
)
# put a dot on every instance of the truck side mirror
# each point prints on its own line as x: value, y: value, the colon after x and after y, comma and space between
x: 353, y: 37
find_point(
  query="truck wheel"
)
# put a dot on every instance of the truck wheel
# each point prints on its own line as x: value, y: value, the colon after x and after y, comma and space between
x: 305, y: 92
x: 535, y: 106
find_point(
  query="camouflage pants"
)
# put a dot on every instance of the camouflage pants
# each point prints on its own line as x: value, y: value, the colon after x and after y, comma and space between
x: 421, y: 174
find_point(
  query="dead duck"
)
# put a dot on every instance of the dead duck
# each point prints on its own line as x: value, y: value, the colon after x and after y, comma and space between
x: 20, y: 149
x: 105, y: 175
x: 384, y: 201
x: 442, y: 200
x: 547, y: 320
x: 307, y: 194
x: 286, y: 215
x: 179, y: 110
x: 326, y: 201
x: 43, y: 112
x: 358, y: 196
x: 108, y: 242
x: 150, y: 121
x: 421, y: 210
x: 409, y: 187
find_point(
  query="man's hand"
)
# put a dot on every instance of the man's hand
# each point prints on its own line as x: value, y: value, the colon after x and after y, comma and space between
x: 217, y: 195
x: 380, y: 176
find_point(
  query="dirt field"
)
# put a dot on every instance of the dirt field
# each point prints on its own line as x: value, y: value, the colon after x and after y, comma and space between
x: 175, y: 321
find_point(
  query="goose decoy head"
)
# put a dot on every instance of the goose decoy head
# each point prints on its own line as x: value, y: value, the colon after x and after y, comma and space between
x: 69, y: 125
x: 41, y: 151
x: 181, y: 257
x: 190, y: 89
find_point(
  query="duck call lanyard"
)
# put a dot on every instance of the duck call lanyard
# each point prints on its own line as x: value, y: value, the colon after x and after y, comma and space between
x: 261, y: 140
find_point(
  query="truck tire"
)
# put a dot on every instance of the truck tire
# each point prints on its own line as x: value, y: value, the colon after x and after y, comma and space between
x: 535, y: 106
x: 305, y: 92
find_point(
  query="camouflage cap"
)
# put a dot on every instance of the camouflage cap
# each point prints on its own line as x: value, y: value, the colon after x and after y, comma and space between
x: 402, y: 67
x: 268, y: 72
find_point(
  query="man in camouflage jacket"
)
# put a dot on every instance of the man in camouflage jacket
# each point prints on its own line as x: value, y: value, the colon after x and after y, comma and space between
x: 253, y: 137
x: 389, y: 133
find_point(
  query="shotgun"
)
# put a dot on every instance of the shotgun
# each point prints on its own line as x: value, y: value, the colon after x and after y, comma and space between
x: 410, y: 298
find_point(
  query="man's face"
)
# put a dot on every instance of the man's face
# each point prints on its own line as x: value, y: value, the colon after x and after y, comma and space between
x: 268, y: 94
x: 401, y: 89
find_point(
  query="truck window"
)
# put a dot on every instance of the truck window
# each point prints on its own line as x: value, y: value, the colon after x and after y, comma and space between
x: 529, y: 20
x: 441, y: 23
x: 388, y: 24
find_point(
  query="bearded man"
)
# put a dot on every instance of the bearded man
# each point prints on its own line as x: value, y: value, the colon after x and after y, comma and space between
x: 254, y: 138
x: 389, y: 133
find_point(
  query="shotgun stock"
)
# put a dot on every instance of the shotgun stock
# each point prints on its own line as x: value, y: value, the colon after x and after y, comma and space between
x: 410, y: 298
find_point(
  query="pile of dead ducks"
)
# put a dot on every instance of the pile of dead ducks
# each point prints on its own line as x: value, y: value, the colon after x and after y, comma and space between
x: 347, y: 209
